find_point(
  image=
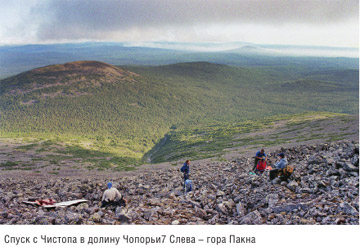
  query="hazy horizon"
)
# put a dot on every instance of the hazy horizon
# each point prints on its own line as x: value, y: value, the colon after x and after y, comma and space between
x: 232, y: 47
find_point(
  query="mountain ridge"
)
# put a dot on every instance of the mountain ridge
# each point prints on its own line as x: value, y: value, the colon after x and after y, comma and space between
x: 15, y: 59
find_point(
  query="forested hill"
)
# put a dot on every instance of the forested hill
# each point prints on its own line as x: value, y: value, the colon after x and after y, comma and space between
x: 127, y: 110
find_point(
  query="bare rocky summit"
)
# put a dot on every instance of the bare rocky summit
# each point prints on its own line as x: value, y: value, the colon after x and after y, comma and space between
x: 76, y: 76
x: 323, y: 190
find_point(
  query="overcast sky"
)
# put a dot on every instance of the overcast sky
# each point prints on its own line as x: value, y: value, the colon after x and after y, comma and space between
x: 300, y: 22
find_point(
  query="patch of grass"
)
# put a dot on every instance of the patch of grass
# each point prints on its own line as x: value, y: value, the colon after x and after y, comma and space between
x: 37, y: 159
x: 48, y: 143
x: 336, y: 137
x: 102, y: 159
x: 9, y: 164
x: 26, y: 164
x: 40, y: 150
x: 346, y: 119
x: 221, y: 159
x: 296, y: 123
x: 125, y: 168
x: 105, y: 164
x: 26, y: 147
x: 54, y: 162
x: 290, y: 130
x: 19, y: 168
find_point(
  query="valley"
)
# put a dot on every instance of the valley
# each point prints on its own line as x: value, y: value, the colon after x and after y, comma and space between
x: 125, y: 112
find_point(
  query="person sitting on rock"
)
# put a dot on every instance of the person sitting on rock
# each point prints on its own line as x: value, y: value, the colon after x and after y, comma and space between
x: 279, y: 166
x: 259, y: 156
x: 188, y: 186
x: 112, y: 197
x: 186, y: 170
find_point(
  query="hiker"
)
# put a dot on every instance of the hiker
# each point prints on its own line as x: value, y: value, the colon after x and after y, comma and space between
x: 261, y: 166
x: 259, y: 156
x: 188, y: 186
x: 279, y: 166
x: 112, y: 197
x: 186, y: 170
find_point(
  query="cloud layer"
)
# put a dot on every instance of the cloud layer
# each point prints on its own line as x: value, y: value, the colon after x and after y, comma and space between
x: 179, y: 20
x: 75, y: 19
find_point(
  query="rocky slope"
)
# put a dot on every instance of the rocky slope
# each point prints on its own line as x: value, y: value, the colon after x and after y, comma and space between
x: 324, y: 190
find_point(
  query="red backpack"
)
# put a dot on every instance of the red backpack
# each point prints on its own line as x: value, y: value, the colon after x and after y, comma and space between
x: 261, y: 165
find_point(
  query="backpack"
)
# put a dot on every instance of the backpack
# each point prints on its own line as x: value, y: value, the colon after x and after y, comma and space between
x: 287, y: 172
x: 182, y: 169
x: 284, y: 173
x: 261, y: 165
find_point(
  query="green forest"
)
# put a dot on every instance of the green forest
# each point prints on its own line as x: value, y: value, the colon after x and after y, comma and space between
x: 125, y: 111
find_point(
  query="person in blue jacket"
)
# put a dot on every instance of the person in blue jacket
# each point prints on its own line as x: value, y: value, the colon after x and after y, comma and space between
x: 186, y: 170
x: 279, y: 165
x: 282, y: 163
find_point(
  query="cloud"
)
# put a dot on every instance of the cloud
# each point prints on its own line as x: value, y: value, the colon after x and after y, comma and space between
x: 17, y: 21
x: 320, y: 22
x: 102, y: 19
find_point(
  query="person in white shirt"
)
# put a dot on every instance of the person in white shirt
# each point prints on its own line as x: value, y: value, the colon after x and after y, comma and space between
x: 112, y: 196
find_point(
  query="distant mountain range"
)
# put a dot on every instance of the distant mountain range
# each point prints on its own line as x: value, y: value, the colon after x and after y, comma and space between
x: 19, y: 58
